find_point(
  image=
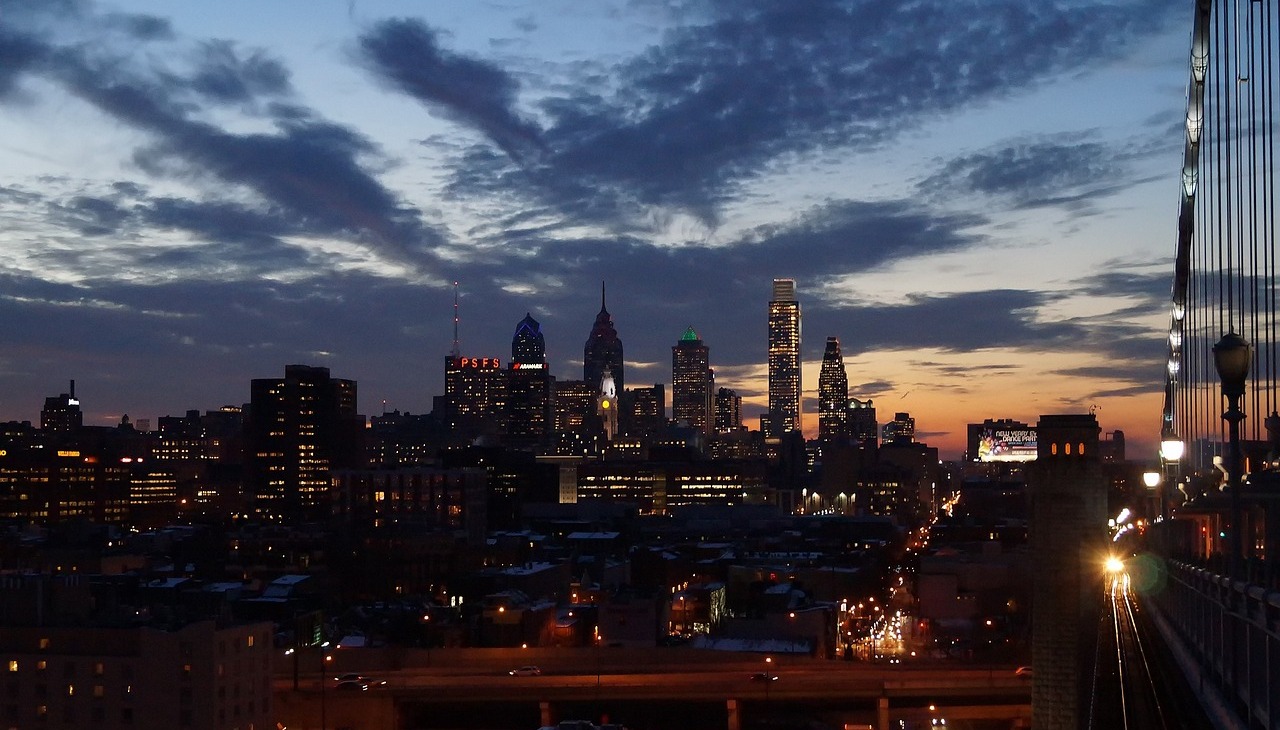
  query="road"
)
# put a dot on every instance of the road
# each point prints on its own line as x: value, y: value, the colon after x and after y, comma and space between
x: 805, y: 679
x: 832, y: 688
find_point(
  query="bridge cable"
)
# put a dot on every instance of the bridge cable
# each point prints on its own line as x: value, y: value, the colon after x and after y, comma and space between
x: 1269, y: 152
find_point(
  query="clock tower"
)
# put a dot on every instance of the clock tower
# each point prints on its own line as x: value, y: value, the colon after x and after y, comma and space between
x: 607, y: 405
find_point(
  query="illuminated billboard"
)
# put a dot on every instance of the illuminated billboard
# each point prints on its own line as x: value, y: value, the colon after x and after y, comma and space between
x: 1007, y: 444
x: 476, y: 363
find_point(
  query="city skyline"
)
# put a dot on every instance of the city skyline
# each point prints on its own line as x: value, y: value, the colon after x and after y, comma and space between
x: 199, y: 197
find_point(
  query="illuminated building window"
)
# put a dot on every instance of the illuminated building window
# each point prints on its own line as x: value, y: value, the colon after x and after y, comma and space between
x: 13, y: 665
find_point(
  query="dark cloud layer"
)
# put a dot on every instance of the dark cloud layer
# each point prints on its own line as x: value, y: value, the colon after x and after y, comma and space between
x: 407, y: 54
x: 1061, y: 171
x: 708, y: 108
x: 308, y: 170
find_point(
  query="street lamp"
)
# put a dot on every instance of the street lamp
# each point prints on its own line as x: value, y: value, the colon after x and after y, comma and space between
x: 769, y: 676
x: 325, y: 658
x: 1171, y: 451
x: 1152, y: 481
x: 1171, y: 447
x: 1231, y: 357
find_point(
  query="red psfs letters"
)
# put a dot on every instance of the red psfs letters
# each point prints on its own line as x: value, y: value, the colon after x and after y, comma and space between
x: 482, y: 363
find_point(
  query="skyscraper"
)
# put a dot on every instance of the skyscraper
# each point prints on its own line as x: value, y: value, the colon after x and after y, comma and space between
x: 833, y: 395
x: 863, y: 426
x: 574, y: 424
x: 902, y: 429
x: 728, y: 411
x: 528, y: 386
x: 644, y: 411
x: 691, y: 382
x: 784, y: 359
x: 603, y: 350
x: 475, y: 390
x: 297, y: 429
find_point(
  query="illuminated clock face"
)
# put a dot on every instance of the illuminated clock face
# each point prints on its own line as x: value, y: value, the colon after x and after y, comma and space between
x: 605, y: 404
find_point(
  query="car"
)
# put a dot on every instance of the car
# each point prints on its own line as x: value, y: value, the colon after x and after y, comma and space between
x: 349, y: 677
x: 526, y: 671
x: 1023, y: 672
x: 352, y: 685
x: 764, y: 677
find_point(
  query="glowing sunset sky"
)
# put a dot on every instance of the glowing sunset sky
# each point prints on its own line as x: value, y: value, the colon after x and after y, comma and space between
x: 977, y: 197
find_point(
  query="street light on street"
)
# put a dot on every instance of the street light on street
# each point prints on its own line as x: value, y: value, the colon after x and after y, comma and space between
x: 1231, y: 357
x: 325, y: 658
x: 769, y: 676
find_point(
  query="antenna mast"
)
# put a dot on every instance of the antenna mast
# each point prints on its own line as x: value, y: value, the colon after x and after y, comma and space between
x: 456, y: 352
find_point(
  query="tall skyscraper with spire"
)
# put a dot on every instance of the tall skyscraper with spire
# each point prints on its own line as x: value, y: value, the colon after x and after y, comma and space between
x: 833, y: 395
x: 784, y: 360
x: 691, y: 382
x: 475, y: 389
x: 603, y: 351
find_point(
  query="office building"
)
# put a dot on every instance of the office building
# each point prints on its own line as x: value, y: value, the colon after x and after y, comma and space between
x: 862, y: 423
x: 297, y: 428
x: 202, y: 676
x: 61, y: 413
x: 833, y: 395
x: 784, y: 360
x: 45, y: 486
x: 644, y: 411
x: 603, y: 351
x: 657, y: 486
x: 528, y: 387
x: 691, y: 382
x: 728, y: 410
x: 902, y: 429
x: 475, y: 390
x: 574, y: 422
x: 425, y: 497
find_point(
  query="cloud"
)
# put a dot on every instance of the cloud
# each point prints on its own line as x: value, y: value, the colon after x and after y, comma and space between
x: 18, y: 54
x: 1001, y: 318
x: 307, y: 170
x: 406, y: 55
x: 223, y: 75
x: 1061, y: 170
x: 687, y: 122
x: 871, y: 389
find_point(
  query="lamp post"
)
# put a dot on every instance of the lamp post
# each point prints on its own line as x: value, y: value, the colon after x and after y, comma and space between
x: 599, y: 645
x: 1231, y: 357
x: 325, y: 658
x: 1152, y: 481
x: 1171, y: 450
x: 768, y: 680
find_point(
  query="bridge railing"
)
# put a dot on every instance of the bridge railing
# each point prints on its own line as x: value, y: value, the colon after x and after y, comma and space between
x: 1231, y: 629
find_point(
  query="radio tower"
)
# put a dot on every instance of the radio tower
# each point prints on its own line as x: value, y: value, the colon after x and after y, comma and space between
x: 455, y: 352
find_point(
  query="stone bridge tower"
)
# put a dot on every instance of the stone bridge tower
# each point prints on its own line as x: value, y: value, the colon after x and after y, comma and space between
x: 1068, y: 548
